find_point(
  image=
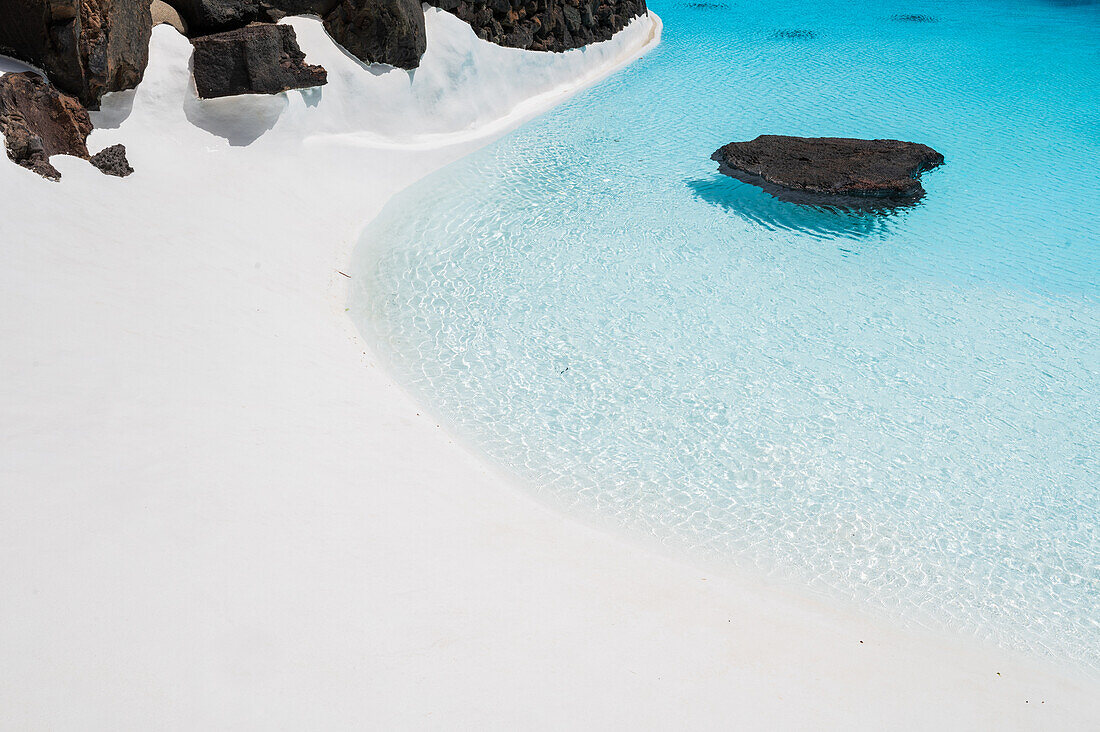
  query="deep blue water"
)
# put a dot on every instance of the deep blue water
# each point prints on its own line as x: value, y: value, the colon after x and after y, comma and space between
x: 902, y: 410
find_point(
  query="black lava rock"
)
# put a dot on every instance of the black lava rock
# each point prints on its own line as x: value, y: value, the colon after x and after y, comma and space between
x: 380, y: 31
x: 212, y: 16
x: 830, y: 166
x: 112, y: 161
x: 544, y: 25
x: 261, y: 58
x: 86, y: 47
x: 38, y: 121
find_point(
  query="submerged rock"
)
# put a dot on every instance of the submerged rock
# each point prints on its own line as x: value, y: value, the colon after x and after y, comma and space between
x: 86, y: 47
x: 830, y: 166
x: 38, y: 121
x: 380, y: 31
x: 794, y: 34
x: 261, y: 58
x: 112, y: 161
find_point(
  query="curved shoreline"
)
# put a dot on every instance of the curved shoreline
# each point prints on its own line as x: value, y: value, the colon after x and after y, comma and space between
x: 428, y: 227
x: 220, y: 514
x: 825, y: 600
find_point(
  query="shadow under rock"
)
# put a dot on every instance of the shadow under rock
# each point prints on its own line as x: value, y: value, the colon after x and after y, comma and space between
x: 10, y: 65
x: 810, y: 215
x: 114, y: 109
x: 240, y: 119
x: 914, y: 18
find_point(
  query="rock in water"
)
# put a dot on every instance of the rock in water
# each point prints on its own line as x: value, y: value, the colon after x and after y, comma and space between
x: 261, y: 58
x: 39, y: 121
x: 830, y: 166
x: 86, y: 47
x: 112, y: 161
x: 380, y: 31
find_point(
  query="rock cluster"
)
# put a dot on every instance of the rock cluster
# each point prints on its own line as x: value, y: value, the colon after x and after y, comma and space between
x: 374, y: 31
x: 90, y: 47
x: 544, y: 25
x: 86, y: 47
x: 261, y: 58
x: 830, y: 166
x: 38, y: 121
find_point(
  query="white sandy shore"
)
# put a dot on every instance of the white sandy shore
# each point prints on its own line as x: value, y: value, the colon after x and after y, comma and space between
x: 219, y: 513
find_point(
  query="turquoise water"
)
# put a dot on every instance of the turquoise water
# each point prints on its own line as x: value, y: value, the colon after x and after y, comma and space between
x: 902, y: 409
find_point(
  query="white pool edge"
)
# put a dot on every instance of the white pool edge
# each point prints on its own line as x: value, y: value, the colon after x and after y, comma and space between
x: 221, y: 512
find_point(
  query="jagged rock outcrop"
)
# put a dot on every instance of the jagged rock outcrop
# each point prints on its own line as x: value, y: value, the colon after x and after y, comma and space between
x: 112, y: 161
x: 38, y: 121
x: 830, y: 166
x: 545, y: 25
x: 261, y: 58
x: 380, y: 31
x: 86, y: 47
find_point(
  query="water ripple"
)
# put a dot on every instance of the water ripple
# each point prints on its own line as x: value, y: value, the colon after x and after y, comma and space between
x: 899, y: 408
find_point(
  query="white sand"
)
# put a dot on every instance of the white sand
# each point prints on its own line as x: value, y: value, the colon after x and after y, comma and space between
x: 217, y: 512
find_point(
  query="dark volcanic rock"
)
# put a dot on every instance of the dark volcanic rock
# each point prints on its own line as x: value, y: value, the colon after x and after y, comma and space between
x: 830, y: 166
x: 544, y: 25
x: 39, y: 121
x: 212, y: 16
x: 304, y: 7
x: 380, y: 31
x: 112, y: 161
x: 261, y: 58
x: 86, y: 47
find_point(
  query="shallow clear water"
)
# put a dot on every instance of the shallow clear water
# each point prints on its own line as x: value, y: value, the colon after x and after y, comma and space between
x: 902, y: 410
